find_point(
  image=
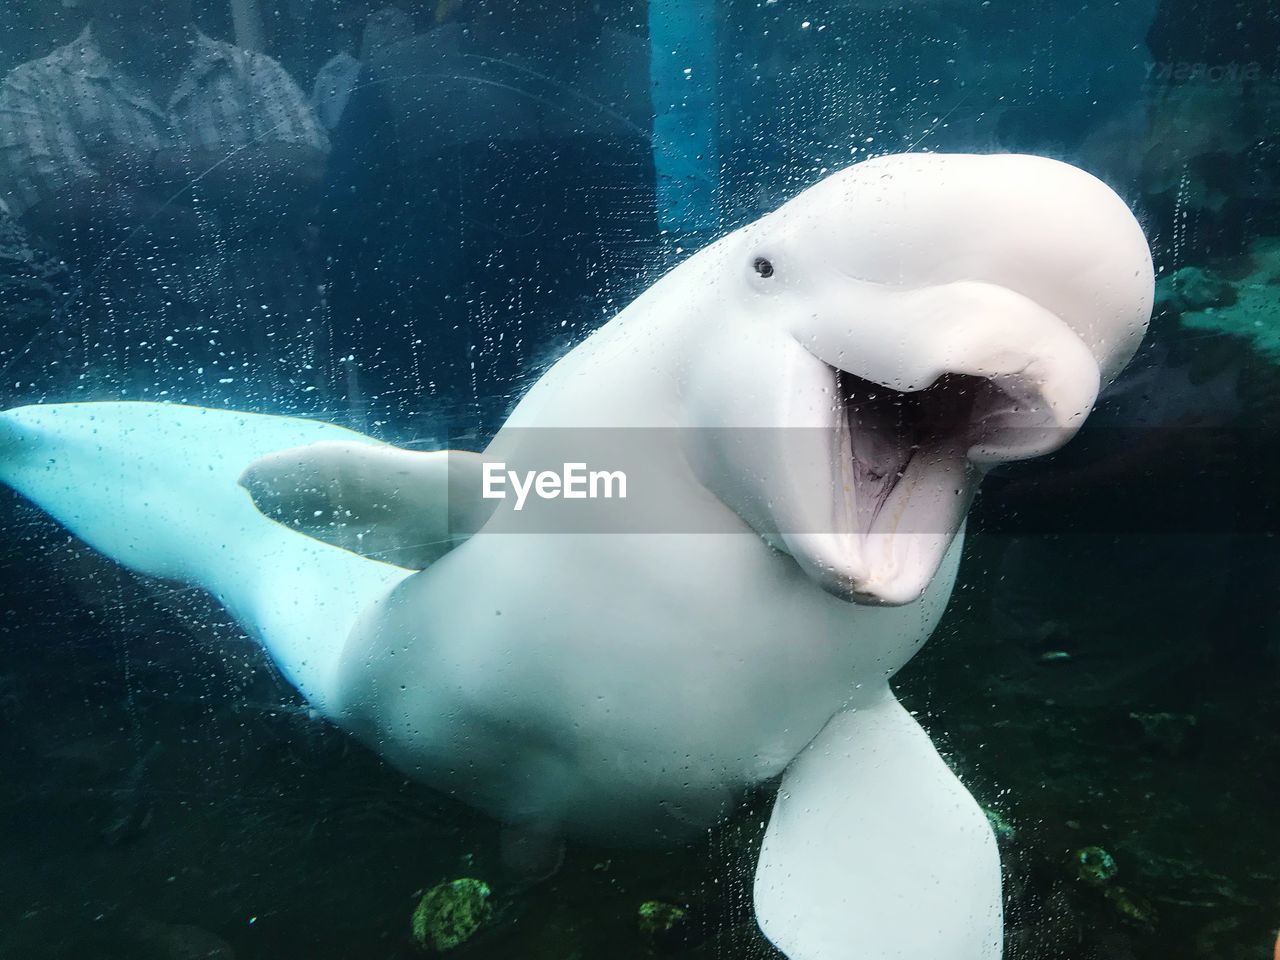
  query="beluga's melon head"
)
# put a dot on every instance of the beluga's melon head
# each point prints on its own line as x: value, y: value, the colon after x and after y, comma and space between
x: 898, y: 329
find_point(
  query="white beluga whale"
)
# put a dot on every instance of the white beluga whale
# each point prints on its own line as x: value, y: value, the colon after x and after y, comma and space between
x: 802, y: 412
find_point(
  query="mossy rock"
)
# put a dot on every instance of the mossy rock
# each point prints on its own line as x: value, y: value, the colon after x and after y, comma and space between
x: 450, y: 913
x: 1194, y: 288
x: 1131, y: 907
x: 1094, y: 865
x: 1253, y: 314
x: 656, y: 918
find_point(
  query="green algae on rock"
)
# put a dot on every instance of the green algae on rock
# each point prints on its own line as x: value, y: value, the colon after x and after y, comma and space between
x: 450, y: 913
x: 1094, y: 865
x: 657, y: 919
x: 1193, y: 288
x: 1131, y: 907
x: 1254, y: 313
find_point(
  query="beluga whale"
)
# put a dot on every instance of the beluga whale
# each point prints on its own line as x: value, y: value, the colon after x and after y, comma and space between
x: 801, y: 412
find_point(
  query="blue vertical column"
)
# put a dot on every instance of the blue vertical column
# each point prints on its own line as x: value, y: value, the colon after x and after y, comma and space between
x: 246, y: 20
x: 682, y: 70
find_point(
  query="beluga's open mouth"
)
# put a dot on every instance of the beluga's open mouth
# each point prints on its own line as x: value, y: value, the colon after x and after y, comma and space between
x: 909, y: 463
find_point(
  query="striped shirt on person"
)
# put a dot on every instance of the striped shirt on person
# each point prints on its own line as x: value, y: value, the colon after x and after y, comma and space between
x: 228, y: 315
x: 55, y: 109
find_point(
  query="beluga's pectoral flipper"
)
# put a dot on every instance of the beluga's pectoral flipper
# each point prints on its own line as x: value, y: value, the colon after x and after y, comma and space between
x: 405, y: 507
x: 875, y: 851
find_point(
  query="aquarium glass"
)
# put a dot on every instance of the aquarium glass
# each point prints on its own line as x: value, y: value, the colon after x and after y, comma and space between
x: 291, y: 689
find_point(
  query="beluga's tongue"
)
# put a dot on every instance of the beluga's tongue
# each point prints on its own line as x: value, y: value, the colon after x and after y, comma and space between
x: 889, y: 429
x: 882, y: 439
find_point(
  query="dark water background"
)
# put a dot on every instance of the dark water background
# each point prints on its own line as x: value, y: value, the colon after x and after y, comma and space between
x: 1107, y: 676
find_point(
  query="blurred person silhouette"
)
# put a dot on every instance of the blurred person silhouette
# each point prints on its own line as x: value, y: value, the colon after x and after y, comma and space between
x: 490, y: 197
x: 371, y: 29
x: 172, y: 171
x: 33, y: 284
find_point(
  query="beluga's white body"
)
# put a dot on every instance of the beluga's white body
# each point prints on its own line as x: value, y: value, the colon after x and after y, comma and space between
x: 811, y: 403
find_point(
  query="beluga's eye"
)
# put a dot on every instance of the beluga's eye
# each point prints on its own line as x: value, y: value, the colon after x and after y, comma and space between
x: 763, y: 267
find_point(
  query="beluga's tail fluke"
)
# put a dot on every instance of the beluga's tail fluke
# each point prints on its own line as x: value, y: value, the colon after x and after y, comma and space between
x: 155, y: 487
